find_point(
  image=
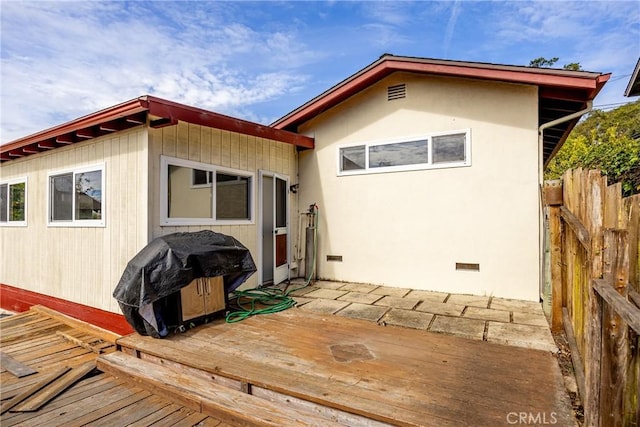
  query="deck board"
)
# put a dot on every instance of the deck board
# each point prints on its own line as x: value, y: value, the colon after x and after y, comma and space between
x: 33, y: 338
x: 394, y: 375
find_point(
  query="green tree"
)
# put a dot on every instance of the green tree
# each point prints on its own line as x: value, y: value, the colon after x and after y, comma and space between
x: 543, y: 62
x: 547, y: 63
x: 605, y: 140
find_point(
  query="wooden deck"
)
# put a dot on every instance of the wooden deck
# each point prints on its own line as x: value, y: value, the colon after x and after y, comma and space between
x: 345, y: 371
x: 47, y: 342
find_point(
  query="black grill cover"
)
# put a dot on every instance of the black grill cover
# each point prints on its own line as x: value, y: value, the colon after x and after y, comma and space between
x: 171, y: 262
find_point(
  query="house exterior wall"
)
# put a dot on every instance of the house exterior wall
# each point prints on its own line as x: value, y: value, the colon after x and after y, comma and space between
x: 76, y: 263
x: 230, y: 150
x: 409, y: 229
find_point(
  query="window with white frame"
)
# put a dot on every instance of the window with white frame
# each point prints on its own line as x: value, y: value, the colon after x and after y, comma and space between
x: 76, y: 197
x: 194, y: 193
x: 13, y: 202
x: 426, y: 152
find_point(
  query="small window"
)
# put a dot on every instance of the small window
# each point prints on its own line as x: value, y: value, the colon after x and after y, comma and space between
x: 75, y: 197
x: 199, y: 193
x: 232, y: 196
x: 449, y: 148
x: 426, y: 152
x: 352, y: 158
x: 399, y: 154
x: 13, y: 202
x: 201, y: 178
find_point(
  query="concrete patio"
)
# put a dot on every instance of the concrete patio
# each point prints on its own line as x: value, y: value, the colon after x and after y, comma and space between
x: 503, y: 321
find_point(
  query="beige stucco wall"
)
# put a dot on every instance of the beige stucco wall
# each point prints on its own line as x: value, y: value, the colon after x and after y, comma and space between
x: 79, y: 264
x: 409, y: 229
x: 230, y: 150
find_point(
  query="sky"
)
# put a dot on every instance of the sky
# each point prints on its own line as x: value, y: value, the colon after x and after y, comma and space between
x: 260, y: 60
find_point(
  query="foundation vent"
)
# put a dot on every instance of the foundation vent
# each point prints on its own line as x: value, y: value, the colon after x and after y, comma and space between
x: 336, y: 258
x: 465, y: 266
x: 396, y: 92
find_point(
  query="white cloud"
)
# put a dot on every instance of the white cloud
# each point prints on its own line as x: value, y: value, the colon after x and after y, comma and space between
x: 61, y: 60
x: 451, y: 25
x: 64, y: 60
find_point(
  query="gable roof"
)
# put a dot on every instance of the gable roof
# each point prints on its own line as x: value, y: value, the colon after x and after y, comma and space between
x: 633, y: 88
x: 157, y: 112
x: 561, y: 92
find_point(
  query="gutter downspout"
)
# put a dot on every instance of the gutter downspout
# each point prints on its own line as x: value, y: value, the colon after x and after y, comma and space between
x: 545, y: 294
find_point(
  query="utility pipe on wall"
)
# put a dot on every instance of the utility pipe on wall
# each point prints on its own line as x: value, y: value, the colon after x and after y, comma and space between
x: 541, y: 230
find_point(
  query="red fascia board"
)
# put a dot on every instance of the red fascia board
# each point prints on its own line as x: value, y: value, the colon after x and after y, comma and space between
x: 540, y: 77
x: 112, y: 113
x: 506, y: 75
x: 162, y: 108
x: 174, y: 111
x: 19, y: 300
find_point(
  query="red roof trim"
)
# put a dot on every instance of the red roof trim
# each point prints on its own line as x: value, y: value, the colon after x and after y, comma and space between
x: 134, y: 113
x: 174, y: 111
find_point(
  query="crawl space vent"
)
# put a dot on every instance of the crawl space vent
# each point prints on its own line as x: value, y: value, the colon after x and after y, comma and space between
x: 467, y: 266
x: 396, y: 92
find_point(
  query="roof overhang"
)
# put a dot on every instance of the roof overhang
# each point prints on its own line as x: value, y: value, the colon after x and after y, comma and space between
x: 633, y: 88
x: 561, y: 92
x: 155, y: 112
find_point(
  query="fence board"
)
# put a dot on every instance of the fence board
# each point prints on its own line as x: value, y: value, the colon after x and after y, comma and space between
x: 600, y: 239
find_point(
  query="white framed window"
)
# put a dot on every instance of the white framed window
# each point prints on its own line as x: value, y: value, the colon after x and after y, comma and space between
x: 13, y: 202
x: 76, y: 197
x: 194, y: 193
x: 434, y: 151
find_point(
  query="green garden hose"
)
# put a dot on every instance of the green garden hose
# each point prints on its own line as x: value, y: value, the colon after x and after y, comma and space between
x: 255, y: 301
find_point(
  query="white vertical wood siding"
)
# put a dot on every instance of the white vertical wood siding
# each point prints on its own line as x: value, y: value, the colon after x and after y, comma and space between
x: 79, y: 264
x: 84, y: 264
x: 228, y: 149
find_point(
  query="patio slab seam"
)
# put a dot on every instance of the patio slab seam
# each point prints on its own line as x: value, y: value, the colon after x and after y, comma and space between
x: 497, y: 320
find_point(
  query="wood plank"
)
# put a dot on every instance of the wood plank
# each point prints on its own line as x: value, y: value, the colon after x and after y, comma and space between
x: 43, y: 382
x: 156, y: 416
x: 14, y: 366
x: 615, y: 345
x: 81, y: 343
x: 228, y: 405
x: 132, y: 413
x: 555, y: 233
x: 85, y: 388
x: 78, y: 324
x: 634, y: 297
x: 577, y: 227
x: 289, y: 353
x: 626, y: 310
x: 36, y: 401
x: 578, y: 367
x: 44, y: 327
x: 65, y: 415
x: 107, y: 407
x: 175, y: 418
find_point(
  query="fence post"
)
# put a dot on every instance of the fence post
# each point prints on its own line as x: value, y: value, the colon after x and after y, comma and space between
x: 615, y: 345
x: 593, y: 185
x: 553, y: 199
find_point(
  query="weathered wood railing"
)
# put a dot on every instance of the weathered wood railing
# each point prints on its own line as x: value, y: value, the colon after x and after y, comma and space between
x: 594, y: 245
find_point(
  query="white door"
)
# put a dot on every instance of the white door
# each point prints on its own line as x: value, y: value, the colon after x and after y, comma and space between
x: 274, y: 228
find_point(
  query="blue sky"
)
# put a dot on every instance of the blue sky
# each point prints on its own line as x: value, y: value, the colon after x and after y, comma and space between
x: 260, y: 60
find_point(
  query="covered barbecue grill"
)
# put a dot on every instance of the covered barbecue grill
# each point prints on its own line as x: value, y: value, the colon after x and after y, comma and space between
x: 149, y: 291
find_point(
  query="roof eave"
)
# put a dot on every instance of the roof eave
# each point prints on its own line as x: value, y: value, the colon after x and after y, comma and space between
x: 125, y: 109
x: 573, y: 80
x: 135, y: 113
x: 633, y: 87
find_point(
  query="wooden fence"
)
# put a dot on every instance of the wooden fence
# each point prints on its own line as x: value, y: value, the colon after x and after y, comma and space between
x: 595, y: 280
